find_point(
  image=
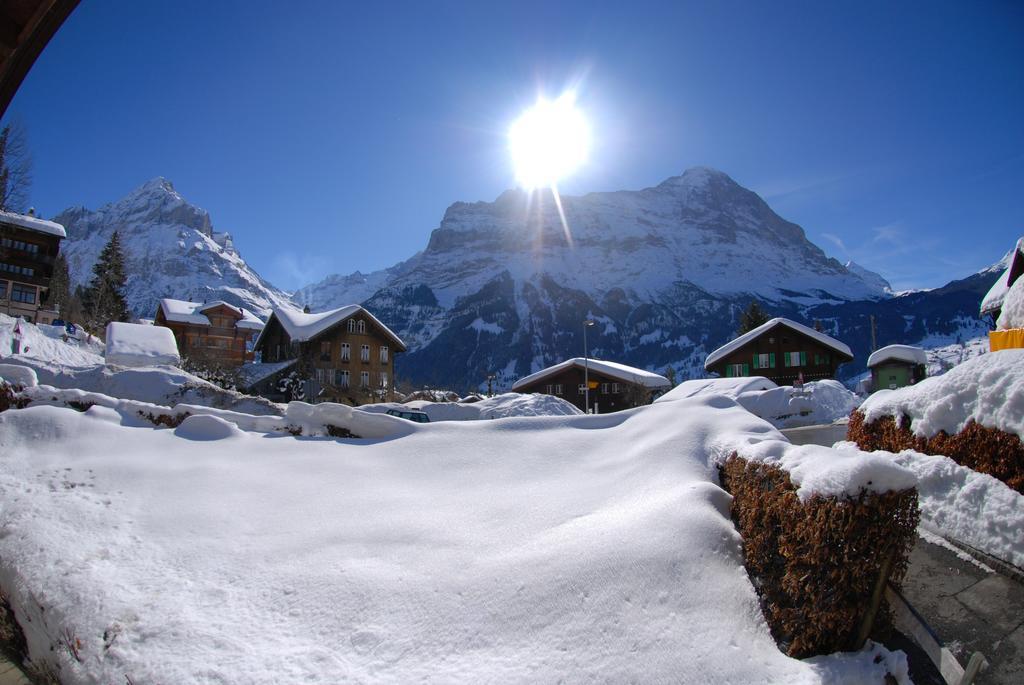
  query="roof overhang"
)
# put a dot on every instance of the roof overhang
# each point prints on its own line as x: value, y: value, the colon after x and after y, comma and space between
x: 26, y: 26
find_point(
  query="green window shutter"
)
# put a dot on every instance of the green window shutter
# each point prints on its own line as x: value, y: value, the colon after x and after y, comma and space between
x: 746, y: 369
x: 771, y: 360
x: 785, y: 359
x: 755, y: 361
x: 728, y: 370
x: 803, y: 359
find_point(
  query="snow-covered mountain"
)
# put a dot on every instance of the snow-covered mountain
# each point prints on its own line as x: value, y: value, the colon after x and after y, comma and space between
x: 171, y: 250
x: 503, y: 287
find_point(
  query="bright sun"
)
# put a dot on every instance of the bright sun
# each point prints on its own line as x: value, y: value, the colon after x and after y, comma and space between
x: 549, y: 141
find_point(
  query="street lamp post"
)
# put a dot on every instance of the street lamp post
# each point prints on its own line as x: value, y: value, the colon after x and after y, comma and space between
x: 586, y: 364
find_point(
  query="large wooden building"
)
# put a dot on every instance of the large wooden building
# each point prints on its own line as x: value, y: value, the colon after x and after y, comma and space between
x: 782, y: 351
x: 28, y: 252
x: 210, y: 333
x: 613, y: 386
x: 344, y: 355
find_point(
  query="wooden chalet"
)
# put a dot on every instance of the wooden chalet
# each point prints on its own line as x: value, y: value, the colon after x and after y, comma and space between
x: 344, y: 355
x: 782, y: 351
x: 895, y: 366
x: 613, y: 386
x: 210, y: 333
x: 28, y: 251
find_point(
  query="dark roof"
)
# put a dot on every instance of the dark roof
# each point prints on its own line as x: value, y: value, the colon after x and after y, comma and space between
x: 26, y: 26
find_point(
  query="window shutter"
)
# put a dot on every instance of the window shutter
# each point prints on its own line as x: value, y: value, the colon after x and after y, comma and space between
x: 728, y: 370
x: 785, y: 359
x: 755, y: 361
x: 771, y: 360
x: 746, y: 369
x: 803, y: 359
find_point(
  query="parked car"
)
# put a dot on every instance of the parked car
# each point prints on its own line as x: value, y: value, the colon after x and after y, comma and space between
x: 417, y: 416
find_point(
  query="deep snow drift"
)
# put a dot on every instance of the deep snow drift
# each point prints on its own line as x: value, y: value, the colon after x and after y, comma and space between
x: 498, y: 407
x: 530, y: 549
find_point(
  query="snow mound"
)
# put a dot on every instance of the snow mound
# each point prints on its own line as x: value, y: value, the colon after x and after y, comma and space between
x: 48, y: 344
x: 961, y: 504
x: 817, y: 402
x: 135, y: 344
x: 204, y: 427
x: 16, y: 374
x: 988, y: 389
x: 566, y: 548
x: 501, y: 406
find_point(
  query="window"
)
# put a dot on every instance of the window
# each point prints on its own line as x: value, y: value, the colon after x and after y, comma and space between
x: 346, y: 352
x: 737, y: 370
x: 325, y: 351
x: 320, y: 376
x: 360, y: 326
x: 764, y: 361
x: 20, y: 245
x: 383, y: 379
x: 615, y: 388
x: 343, y: 379
x: 383, y: 354
x: 351, y: 325
x: 364, y: 353
x: 23, y: 293
x: 364, y: 379
x: 821, y: 359
x: 22, y: 270
x: 558, y: 388
x: 3, y: 289
x: 549, y: 389
x: 604, y: 388
x: 795, y: 358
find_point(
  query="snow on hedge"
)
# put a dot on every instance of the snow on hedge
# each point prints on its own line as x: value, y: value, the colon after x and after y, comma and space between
x: 961, y: 504
x: 988, y: 389
x: 537, y: 549
x: 497, y: 407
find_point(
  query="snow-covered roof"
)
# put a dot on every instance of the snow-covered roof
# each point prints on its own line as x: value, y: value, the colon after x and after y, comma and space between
x: 739, y: 342
x: 301, y: 326
x: 192, y: 312
x: 133, y: 344
x: 993, y: 299
x: 33, y: 223
x: 903, y: 353
x: 629, y: 374
x: 252, y: 373
x: 729, y: 387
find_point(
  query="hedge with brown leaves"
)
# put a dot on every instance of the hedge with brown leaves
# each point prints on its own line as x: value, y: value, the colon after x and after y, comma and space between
x: 816, y: 564
x: 986, y: 450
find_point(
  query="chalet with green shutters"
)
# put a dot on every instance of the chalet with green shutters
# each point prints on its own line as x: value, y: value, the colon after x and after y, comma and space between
x: 782, y: 351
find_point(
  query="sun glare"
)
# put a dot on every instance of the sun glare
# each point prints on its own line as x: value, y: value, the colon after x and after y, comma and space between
x: 549, y: 142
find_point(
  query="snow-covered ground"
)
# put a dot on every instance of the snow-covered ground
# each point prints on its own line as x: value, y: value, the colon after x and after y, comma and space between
x: 498, y: 407
x: 540, y: 549
x: 817, y: 402
x: 988, y: 389
x: 78, y: 363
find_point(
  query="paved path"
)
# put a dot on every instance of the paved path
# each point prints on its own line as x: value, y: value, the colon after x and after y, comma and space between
x: 11, y: 674
x: 970, y: 609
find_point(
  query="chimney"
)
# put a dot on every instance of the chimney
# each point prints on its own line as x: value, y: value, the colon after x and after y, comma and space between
x: 305, y: 310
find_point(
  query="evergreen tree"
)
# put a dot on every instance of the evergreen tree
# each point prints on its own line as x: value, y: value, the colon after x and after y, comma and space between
x: 59, y: 295
x: 104, y: 298
x: 752, y: 317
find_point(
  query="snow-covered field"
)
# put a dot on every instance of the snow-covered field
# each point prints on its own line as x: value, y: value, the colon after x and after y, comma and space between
x: 539, y: 549
x: 78, y: 363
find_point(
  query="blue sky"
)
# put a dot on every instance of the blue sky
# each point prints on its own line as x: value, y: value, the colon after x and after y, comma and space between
x: 331, y: 136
